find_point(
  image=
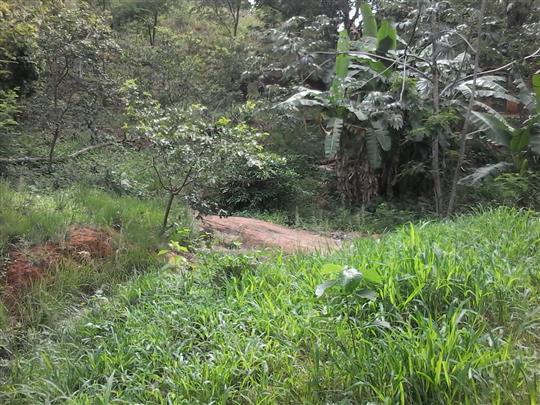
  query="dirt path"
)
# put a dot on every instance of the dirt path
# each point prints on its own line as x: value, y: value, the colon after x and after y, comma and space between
x: 258, y: 233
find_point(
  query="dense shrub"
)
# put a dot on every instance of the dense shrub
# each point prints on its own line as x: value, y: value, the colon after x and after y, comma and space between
x: 267, y: 186
x: 509, y: 189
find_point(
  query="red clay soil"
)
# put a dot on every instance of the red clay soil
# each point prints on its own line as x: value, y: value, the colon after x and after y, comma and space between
x: 257, y: 233
x: 89, y: 242
x: 24, y: 266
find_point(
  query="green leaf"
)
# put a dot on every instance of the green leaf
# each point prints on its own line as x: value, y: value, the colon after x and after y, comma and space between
x: 386, y: 37
x: 534, y: 143
x: 369, y: 23
x: 321, y: 288
x: 368, y: 294
x: 349, y: 279
x: 384, y: 139
x: 163, y: 252
x: 305, y: 98
x: 372, y: 276
x: 520, y: 140
x: 342, y: 66
x: 342, y: 60
x: 331, y: 143
x: 373, y: 149
x: 486, y: 172
x: 331, y: 268
x: 495, y: 129
x: 356, y: 109
x: 487, y: 87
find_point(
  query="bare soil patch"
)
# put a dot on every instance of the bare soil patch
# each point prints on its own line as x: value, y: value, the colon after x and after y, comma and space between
x: 27, y: 265
x: 258, y: 233
x: 88, y: 242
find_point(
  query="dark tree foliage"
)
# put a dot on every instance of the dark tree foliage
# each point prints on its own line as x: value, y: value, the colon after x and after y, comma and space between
x: 18, y: 31
x: 307, y: 8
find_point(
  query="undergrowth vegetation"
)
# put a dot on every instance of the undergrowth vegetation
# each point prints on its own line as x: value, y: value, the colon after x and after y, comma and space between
x: 33, y: 219
x: 40, y: 216
x: 453, y: 317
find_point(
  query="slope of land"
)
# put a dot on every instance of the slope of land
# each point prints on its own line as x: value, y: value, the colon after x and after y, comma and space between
x: 451, y: 317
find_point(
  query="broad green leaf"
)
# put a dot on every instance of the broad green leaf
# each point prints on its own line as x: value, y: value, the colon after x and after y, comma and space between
x: 342, y: 66
x: 368, y: 294
x: 321, y: 288
x: 520, y: 140
x: 487, y: 87
x: 372, y: 276
x: 366, y: 44
x: 342, y: 60
x: 356, y: 109
x: 380, y: 68
x: 350, y: 278
x: 493, y: 128
x: 373, y: 149
x: 305, y: 98
x: 360, y: 115
x: 534, y: 143
x: 386, y: 37
x: 486, y: 172
x: 331, y: 143
x: 384, y: 139
x: 369, y: 23
x: 382, y: 324
x: 331, y: 268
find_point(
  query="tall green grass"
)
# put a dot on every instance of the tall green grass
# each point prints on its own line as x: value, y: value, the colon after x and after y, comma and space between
x: 382, y: 217
x: 35, y: 217
x: 456, y: 319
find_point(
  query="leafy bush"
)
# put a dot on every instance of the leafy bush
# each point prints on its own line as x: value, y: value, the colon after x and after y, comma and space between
x: 508, y: 189
x: 264, y: 184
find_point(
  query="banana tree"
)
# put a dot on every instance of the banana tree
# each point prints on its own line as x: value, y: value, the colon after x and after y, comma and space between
x: 522, y: 140
x: 360, y: 113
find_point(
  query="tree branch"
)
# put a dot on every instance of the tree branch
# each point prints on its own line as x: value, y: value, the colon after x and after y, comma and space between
x: 33, y: 159
x: 159, y: 175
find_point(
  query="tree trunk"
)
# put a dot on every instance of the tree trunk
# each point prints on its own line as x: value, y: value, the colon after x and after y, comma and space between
x: 467, y: 123
x: 435, y: 149
x: 237, y: 18
x: 357, y: 181
x: 56, y: 135
x: 167, y: 211
x: 152, y: 29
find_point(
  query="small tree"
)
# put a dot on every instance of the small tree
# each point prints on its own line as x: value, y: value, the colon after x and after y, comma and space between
x: 226, y: 13
x: 75, y: 46
x: 189, y: 153
x: 145, y: 12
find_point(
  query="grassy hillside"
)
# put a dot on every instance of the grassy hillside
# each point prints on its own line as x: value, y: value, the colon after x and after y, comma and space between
x: 454, y: 318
